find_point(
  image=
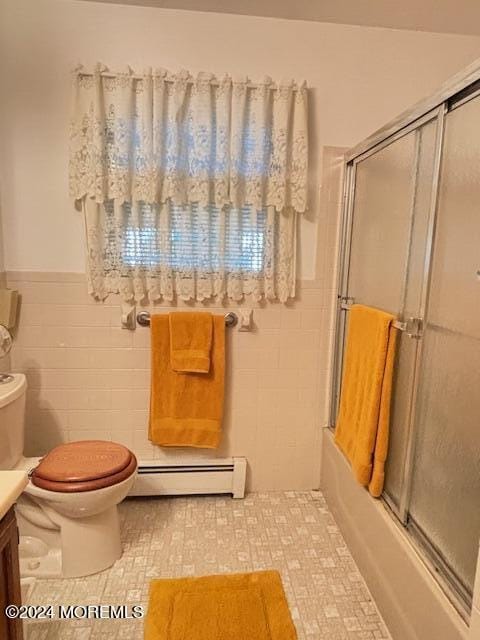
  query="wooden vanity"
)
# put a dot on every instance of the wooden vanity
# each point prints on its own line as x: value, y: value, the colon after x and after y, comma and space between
x: 9, y: 576
x: 12, y: 484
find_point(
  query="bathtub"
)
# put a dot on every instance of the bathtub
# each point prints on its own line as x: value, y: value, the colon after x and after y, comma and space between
x: 410, y: 600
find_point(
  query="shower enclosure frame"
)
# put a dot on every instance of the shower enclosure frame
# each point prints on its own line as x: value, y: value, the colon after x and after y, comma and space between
x: 460, y: 89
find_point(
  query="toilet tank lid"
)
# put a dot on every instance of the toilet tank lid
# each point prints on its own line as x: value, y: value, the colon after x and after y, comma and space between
x: 10, y: 391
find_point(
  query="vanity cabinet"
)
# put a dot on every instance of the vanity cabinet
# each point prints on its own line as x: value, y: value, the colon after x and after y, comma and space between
x: 9, y: 576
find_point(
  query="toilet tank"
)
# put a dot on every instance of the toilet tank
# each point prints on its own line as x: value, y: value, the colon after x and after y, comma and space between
x: 12, y: 417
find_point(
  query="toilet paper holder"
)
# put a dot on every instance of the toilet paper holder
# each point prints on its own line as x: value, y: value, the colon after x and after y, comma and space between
x: 245, y: 318
x: 128, y: 317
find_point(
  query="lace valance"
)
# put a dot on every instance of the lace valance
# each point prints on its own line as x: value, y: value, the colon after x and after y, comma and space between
x: 159, y: 137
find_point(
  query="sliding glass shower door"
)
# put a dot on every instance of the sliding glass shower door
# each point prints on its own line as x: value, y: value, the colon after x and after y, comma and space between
x: 411, y: 246
x: 390, y: 214
x: 445, y: 486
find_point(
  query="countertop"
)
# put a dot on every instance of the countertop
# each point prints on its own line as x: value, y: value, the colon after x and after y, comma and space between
x: 12, y: 484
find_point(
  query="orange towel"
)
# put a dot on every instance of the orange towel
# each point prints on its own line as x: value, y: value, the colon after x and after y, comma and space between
x: 185, y: 408
x: 364, y: 414
x: 190, y: 341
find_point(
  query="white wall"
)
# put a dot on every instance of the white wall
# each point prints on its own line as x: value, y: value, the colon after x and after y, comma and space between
x: 359, y: 78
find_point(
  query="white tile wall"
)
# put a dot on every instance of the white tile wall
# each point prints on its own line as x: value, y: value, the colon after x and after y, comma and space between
x: 88, y: 378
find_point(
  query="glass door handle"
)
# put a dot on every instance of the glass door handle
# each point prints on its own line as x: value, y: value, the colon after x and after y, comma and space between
x: 414, y: 328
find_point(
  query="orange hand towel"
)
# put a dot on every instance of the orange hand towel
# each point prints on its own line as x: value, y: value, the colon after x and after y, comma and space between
x: 185, y: 408
x: 364, y: 414
x: 190, y: 341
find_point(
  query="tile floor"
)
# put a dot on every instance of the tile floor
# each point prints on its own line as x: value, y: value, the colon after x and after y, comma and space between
x: 171, y: 537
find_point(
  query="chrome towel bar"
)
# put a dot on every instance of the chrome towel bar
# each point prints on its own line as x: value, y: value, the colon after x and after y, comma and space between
x: 143, y: 319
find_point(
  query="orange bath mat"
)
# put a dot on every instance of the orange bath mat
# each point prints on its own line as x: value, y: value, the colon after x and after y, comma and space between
x: 241, y: 606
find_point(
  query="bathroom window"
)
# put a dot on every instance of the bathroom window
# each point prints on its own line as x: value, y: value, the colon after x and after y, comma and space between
x: 193, y: 251
x: 191, y: 186
x: 193, y: 239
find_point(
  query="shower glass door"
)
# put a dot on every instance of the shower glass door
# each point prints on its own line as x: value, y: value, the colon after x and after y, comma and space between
x: 390, y: 215
x: 411, y: 246
x: 445, y: 485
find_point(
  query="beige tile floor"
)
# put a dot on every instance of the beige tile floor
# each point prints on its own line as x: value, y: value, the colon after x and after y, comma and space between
x: 171, y: 537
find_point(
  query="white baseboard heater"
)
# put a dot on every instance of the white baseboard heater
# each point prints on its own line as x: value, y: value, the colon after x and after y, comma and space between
x: 187, y: 477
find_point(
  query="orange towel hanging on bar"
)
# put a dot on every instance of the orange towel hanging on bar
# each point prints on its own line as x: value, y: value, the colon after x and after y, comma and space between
x: 190, y: 341
x: 186, y: 408
x: 364, y: 414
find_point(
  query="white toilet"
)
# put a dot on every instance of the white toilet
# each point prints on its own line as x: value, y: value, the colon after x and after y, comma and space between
x: 67, y: 515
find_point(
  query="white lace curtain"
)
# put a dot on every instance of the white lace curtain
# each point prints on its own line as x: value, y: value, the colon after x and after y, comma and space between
x: 167, y: 163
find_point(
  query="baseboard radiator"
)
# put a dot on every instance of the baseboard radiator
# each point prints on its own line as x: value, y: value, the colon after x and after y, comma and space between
x: 179, y: 478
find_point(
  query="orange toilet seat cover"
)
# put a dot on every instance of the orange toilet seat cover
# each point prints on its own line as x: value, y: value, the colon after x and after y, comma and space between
x: 84, y: 466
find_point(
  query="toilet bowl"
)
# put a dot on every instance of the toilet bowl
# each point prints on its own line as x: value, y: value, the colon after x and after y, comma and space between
x: 67, y: 515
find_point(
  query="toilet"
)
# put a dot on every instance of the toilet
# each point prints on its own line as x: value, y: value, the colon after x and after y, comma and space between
x: 67, y: 515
